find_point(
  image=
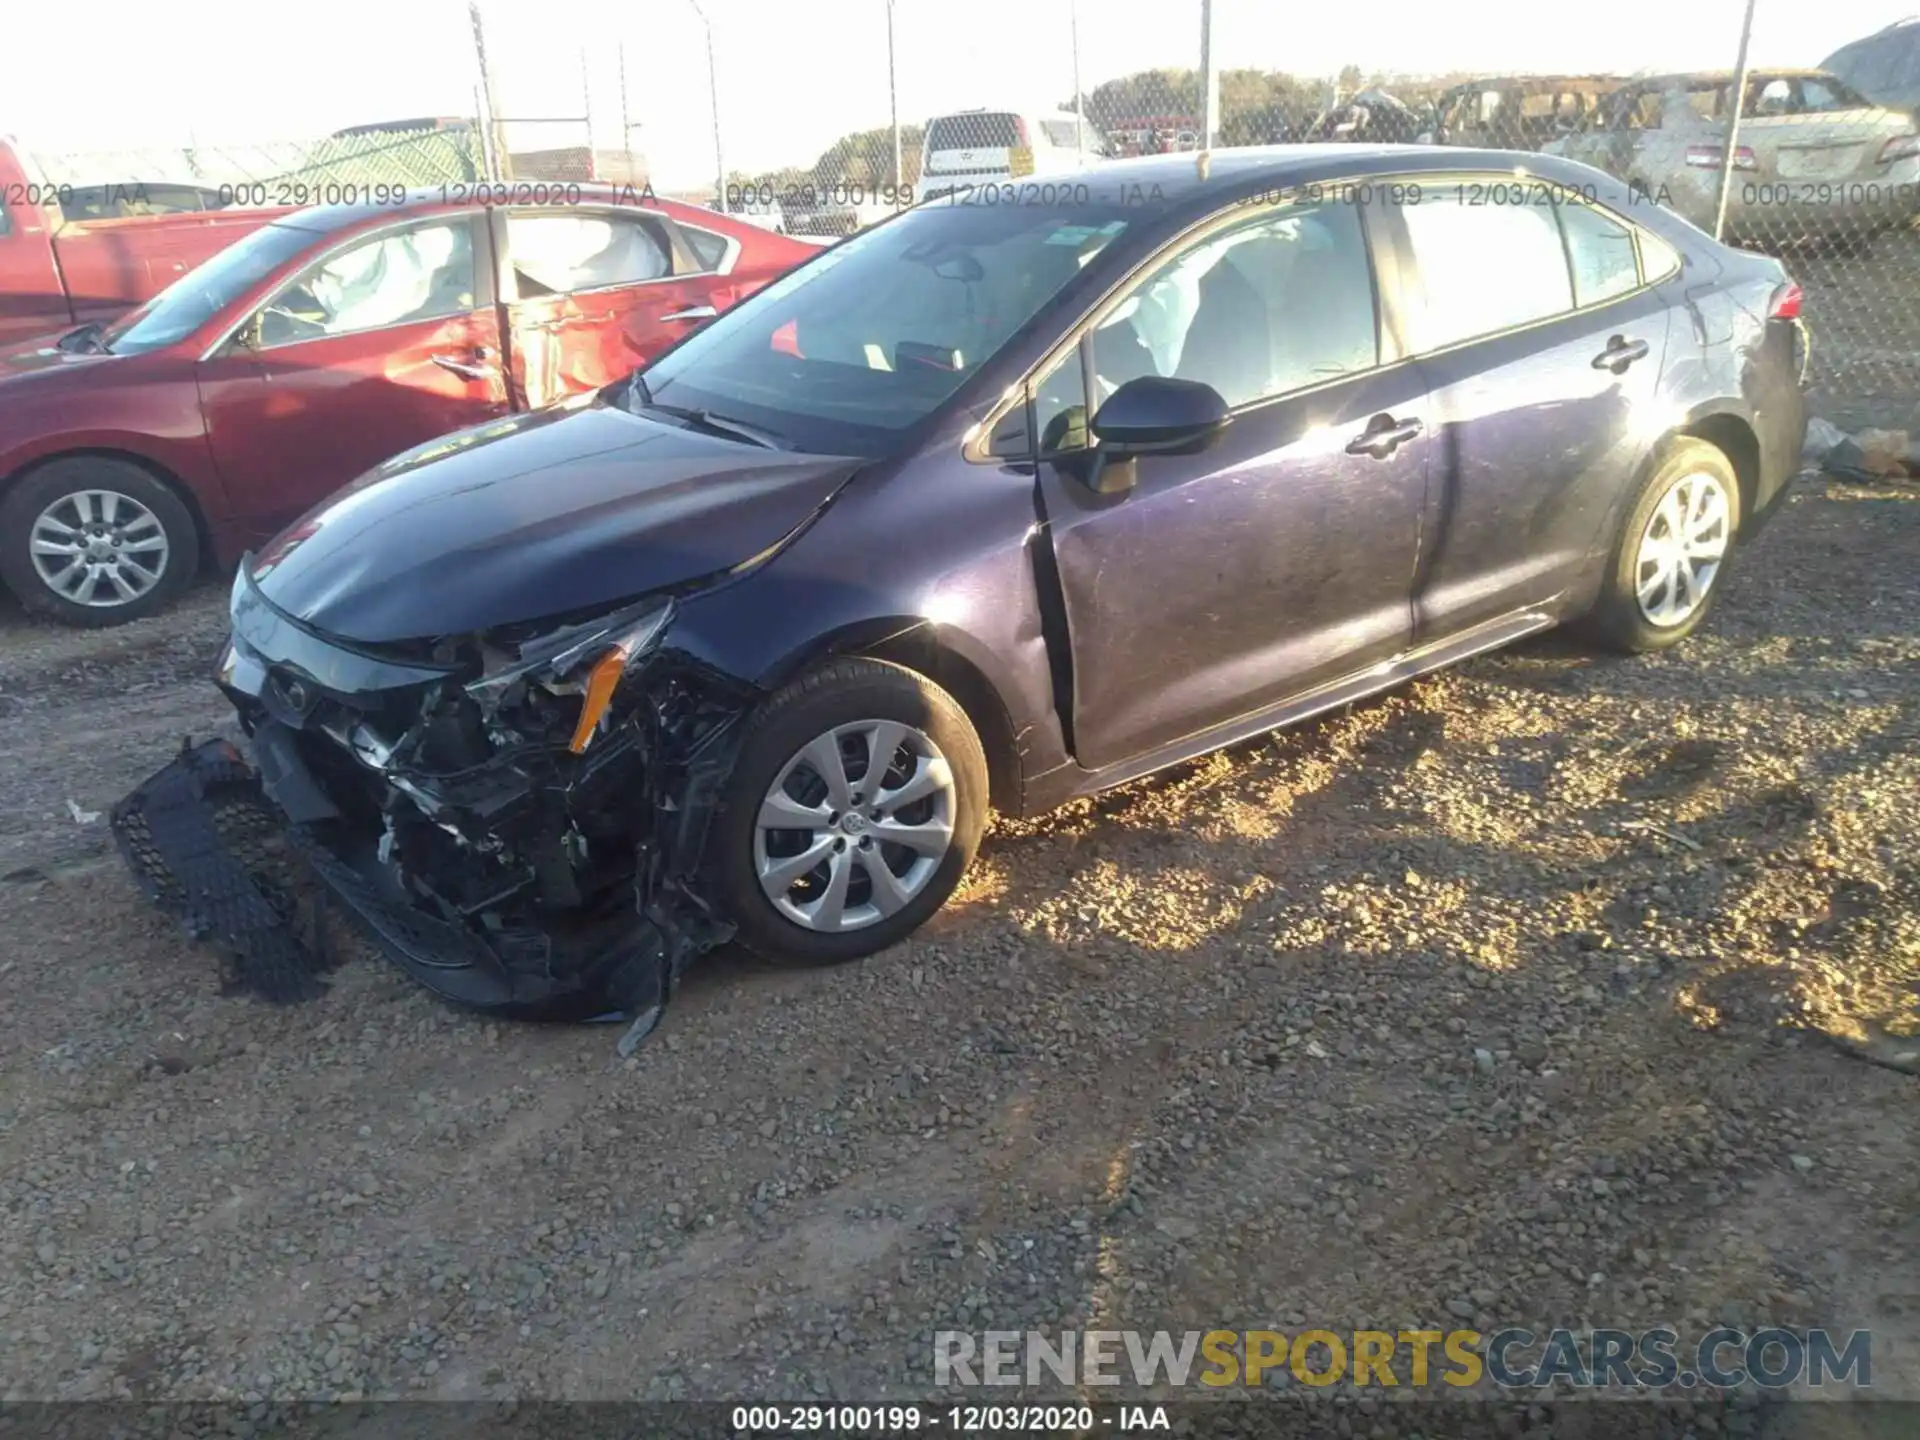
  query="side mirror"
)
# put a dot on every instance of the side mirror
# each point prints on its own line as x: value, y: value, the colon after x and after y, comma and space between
x: 1154, y: 415
x: 1151, y: 415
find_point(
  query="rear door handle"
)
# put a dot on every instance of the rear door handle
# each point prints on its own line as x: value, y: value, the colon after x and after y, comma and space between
x: 466, y: 370
x: 1619, y: 354
x: 1383, y: 436
x: 696, y: 312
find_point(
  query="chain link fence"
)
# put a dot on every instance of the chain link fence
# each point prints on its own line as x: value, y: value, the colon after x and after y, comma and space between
x: 1815, y: 172
x: 706, y: 103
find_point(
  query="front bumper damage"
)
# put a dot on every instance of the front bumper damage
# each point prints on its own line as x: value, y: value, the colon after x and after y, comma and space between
x: 503, y: 873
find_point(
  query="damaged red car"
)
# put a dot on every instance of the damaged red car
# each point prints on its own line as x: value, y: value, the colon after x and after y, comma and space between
x: 318, y: 345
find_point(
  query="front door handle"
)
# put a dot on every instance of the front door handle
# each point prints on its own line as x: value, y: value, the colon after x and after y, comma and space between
x: 696, y: 312
x: 1383, y: 436
x: 1619, y: 354
x: 466, y: 369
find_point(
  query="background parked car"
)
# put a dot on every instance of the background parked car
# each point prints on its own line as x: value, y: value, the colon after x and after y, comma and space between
x: 56, y: 271
x: 1517, y: 112
x: 119, y: 199
x: 1884, y: 67
x: 1816, y: 160
x: 313, y: 348
x: 981, y: 147
x: 1371, y: 117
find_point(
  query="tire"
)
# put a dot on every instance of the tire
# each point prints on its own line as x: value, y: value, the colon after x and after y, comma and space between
x: 846, y: 699
x: 160, y: 535
x: 1619, y: 620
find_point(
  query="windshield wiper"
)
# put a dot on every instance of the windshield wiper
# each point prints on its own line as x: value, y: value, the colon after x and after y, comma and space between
x: 84, y: 341
x: 719, y: 425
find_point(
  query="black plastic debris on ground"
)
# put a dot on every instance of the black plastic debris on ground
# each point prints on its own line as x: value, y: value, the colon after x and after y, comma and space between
x: 205, y: 845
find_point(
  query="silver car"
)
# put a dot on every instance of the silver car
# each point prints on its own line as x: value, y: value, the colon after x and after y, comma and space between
x: 1814, y: 160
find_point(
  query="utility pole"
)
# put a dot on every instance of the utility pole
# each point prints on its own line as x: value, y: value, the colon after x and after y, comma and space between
x: 1209, y: 82
x: 893, y: 105
x: 713, y: 92
x: 1079, y: 116
x: 1733, y: 124
x: 493, y: 131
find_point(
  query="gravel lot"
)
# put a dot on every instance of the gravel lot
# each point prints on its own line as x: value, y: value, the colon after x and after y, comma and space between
x: 1507, y: 998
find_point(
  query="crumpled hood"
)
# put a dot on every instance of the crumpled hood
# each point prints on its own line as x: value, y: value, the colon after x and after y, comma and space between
x: 535, y: 516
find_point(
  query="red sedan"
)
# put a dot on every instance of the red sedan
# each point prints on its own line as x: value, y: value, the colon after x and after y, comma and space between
x: 317, y: 346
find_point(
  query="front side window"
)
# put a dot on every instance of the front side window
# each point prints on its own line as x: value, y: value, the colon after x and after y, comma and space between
x: 1269, y: 307
x: 563, y: 253
x: 204, y: 291
x: 1485, y: 267
x: 853, y: 348
x: 423, y: 273
x: 1273, y: 306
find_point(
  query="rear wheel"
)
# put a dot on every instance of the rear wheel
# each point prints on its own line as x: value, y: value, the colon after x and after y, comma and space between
x: 1669, y: 560
x: 93, y: 541
x: 856, y: 805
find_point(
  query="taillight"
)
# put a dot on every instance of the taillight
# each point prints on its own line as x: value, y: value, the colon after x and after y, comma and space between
x: 1900, y: 147
x: 1786, y: 302
x: 1713, y: 157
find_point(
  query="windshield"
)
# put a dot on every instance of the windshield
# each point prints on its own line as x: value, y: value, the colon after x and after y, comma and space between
x: 847, y: 353
x: 200, y: 294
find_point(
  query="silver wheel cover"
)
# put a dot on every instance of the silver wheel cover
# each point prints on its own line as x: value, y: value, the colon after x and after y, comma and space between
x: 1682, y: 548
x: 854, y: 825
x: 98, y: 548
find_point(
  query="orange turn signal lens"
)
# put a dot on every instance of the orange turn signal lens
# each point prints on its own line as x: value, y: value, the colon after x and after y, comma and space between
x: 601, y: 683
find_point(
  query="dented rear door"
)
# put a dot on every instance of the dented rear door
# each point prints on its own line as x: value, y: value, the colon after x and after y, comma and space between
x: 591, y: 294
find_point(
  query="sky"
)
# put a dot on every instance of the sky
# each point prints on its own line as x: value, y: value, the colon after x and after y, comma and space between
x: 792, y: 75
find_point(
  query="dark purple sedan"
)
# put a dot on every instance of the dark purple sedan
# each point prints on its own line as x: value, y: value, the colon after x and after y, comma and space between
x: 1015, y: 497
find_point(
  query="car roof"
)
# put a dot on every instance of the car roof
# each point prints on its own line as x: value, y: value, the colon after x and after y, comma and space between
x: 1725, y: 77
x: 327, y: 219
x: 1229, y: 170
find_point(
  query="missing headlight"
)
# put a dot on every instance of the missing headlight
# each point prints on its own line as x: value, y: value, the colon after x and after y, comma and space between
x: 586, y: 659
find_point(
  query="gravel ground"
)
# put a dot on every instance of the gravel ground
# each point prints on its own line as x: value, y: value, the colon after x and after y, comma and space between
x: 1517, y: 996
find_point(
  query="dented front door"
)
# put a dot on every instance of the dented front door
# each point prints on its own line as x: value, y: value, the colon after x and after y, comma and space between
x: 591, y: 295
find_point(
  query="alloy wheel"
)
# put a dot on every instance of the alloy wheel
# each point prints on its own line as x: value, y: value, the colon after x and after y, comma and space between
x: 1682, y: 548
x: 854, y: 825
x: 99, y: 548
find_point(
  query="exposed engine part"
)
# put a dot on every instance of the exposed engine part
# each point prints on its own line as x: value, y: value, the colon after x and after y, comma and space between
x: 492, y: 864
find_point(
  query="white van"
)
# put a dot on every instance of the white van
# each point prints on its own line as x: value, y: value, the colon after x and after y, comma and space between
x: 981, y: 147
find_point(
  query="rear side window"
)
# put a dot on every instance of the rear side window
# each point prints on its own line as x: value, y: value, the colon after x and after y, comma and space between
x: 1600, y: 251
x: 1658, y: 259
x: 1823, y: 95
x: 1485, y: 267
x: 987, y: 131
x: 560, y: 254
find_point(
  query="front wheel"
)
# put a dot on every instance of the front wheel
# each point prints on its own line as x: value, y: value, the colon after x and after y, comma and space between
x: 92, y: 541
x: 856, y: 805
x: 1670, y: 558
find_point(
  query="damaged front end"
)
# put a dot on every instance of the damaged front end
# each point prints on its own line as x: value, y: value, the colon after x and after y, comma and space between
x: 518, y: 818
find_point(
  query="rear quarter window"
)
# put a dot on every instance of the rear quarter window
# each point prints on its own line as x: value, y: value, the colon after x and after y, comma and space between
x: 1600, y: 252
